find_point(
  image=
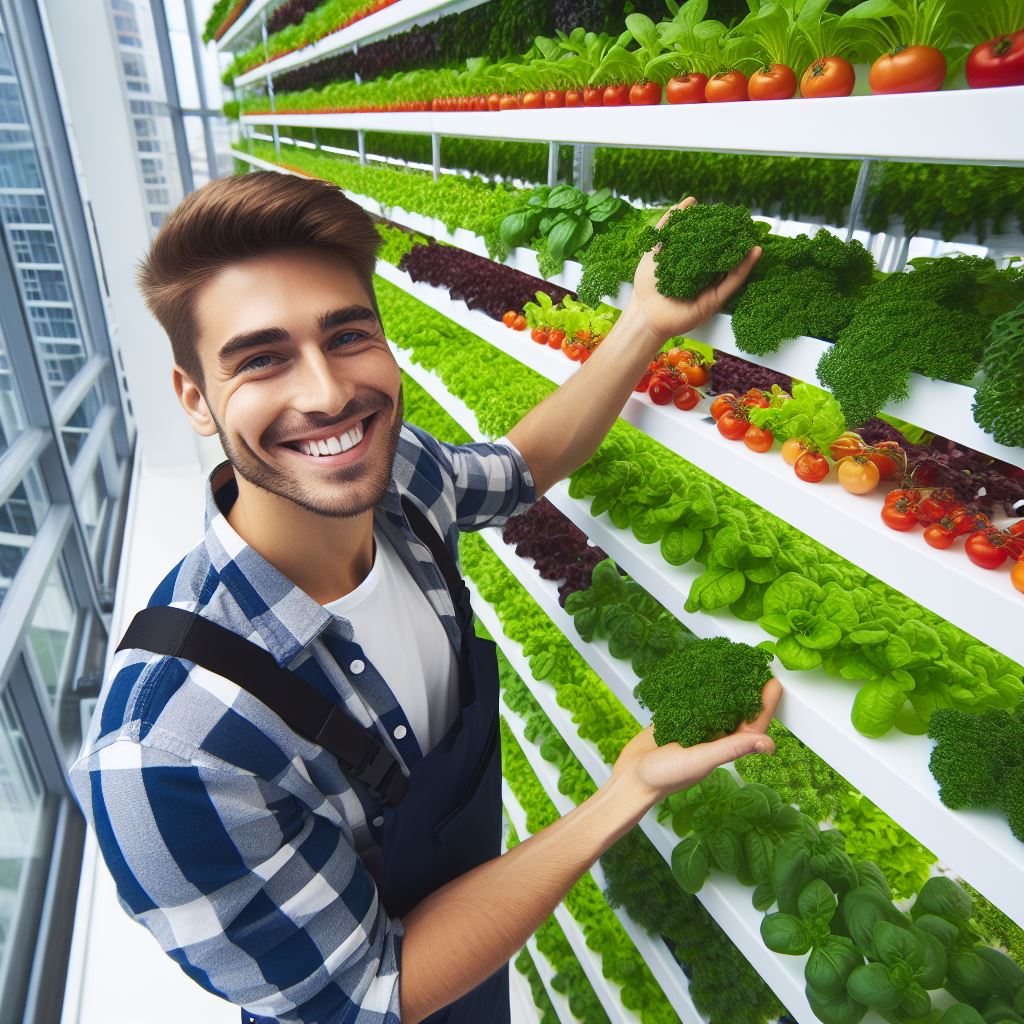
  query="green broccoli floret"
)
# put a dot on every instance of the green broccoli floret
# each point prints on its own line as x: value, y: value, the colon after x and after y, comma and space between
x: 708, y: 688
x: 930, y: 320
x: 699, y: 244
x: 800, y: 286
x: 999, y: 402
x: 978, y: 761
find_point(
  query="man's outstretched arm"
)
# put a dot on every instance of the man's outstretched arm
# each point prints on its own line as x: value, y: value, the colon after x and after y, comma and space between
x: 461, y: 934
x: 557, y: 436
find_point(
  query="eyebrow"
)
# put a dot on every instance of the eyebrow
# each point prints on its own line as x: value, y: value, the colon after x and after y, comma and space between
x: 275, y: 335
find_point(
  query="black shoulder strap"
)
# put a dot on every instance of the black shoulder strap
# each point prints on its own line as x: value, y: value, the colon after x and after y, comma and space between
x: 445, y: 562
x: 182, y: 634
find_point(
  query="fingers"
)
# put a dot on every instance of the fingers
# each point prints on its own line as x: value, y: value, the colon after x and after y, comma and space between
x: 706, y: 757
x: 685, y: 204
x: 770, y: 696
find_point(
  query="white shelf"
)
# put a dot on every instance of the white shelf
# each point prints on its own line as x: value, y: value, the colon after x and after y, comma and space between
x: 666, y: 970
x: 607, y: 991
x: 891, y: 771
x: 547, y: 974
x: 898, y: 127
x: 979, y: 601
x: 725, y: 899
x: 523, y: 1010
x: 398, y: 17
x: 246, y: 30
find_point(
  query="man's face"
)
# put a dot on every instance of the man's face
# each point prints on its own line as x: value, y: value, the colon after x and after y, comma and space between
x: 299, y: 381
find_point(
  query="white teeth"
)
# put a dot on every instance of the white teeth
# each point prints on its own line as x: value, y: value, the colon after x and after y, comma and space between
x: 334, y: 445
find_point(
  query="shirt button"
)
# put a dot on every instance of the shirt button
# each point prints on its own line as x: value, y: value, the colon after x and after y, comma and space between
x: 400, y: 732
x: 378, y: 821
x: 357, y: 666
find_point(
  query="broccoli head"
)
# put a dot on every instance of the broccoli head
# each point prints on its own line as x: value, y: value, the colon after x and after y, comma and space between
x: 978, y: 760
x: 708, y: 688
x: 699, y: 244
x: 999, y: 401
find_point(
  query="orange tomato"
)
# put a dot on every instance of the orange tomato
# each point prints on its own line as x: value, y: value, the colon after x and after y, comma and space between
x: 792, y: 450
x: 828, y: 76
x: 1017, y: 575
x: 908, y: 69
x: 858, y: 475
x: 777, y: 82
x: 726, y: 87
x: 695, y: 375
x: 688, y: 88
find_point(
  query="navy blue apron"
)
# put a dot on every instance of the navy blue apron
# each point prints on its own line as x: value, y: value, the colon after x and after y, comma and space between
x: 439, y: 822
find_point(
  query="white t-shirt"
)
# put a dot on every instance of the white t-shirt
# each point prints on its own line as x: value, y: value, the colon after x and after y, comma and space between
x: 403, y: 638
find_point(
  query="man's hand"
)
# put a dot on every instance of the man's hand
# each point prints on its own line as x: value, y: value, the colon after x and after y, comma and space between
x: 667, y: 317
x: 658, y: 771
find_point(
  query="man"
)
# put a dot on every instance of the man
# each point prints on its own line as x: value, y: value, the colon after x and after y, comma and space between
x: 293, y: 771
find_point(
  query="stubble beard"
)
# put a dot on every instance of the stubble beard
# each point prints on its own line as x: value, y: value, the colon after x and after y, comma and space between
x: 367, y: 484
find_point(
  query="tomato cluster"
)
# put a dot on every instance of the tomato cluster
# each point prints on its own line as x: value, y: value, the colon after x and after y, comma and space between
x: 673, y: 377
x: 579, y: 348
x: 730, y: 412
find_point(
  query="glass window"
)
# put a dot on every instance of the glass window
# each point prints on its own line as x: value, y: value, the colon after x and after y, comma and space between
x: 77, y: 428
x: 50, y: 634
x: 20, y: 516
x: 12, y: 418
x: 94, y: 506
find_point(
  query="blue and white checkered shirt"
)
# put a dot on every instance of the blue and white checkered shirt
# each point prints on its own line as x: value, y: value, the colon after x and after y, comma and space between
x: 240, y: 845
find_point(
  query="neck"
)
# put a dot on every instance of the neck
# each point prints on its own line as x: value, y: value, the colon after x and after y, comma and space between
x: 324, y: 556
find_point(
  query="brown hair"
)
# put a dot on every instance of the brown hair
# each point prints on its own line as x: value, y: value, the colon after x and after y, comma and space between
x: 236, y: 218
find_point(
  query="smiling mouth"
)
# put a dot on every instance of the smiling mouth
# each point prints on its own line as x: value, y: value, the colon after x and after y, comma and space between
x: 336, y: 444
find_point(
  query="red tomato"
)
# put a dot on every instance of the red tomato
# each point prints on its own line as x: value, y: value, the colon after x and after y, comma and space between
x: 688, y: 88
x: 828, y: 76
x: 586, y: 354
x: 911, y: 494
x: 574, y: 97
x: 556, y: 336
x: 724, y: 401
x: 773, y: 83
x: 616, y: 95
x: 508, y: 318
x: 811, y: 467
x: 1017, y: 576
x: 644, y: 94
x: 494, y: 101
x: 758, y: 440
x: 660, y: 391
x: 1000, y: 61
x: 519, y: 324
x: 673, y: 356
x: 986, y: 551
x: 899, y: 515
x: 888, y: 466
x: 726, y: 87
x: 554, y: 98
x: 695, y: 375
x: 533, y: 101
x: 732, y: 426
x: 643, y: 383
x: 539, y: 335
x: 685, y: 397
x: 908, y: 69
x: 574, y: 351
x: 593, y: 96
x: 939, y: 536
x: 508, y: 102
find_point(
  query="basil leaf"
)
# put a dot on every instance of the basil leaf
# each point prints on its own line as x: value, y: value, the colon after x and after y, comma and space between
x: 783, y: 933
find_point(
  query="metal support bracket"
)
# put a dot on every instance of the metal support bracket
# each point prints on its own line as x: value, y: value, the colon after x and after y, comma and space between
x: 435, y: 154
x: 552, y: 164
x: 859, y: 193
x: 583, y: 166
x: 270, y: 81
x: 361, y: 146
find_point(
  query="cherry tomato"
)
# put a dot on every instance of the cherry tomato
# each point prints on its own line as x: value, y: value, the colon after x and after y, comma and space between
x: 792, y: 450
x: 695, y: 375
x: 939, y: 536
x: 519, y: 324
x: 593, y: 96
x: 660, y: 391
x: 732, y: 426
x: 643, y: 384
x: 509, y: 317
x: 574, y: 351
x: 586, y: 354
x: 773, y: 83
x: 554, y: 98
x: 644, y: 94
x: 726, y: 87
x: 758, y: 440
x: 910, y: 494
x: 828, y: 76
x: 673, y: 356
x: 888, y: 466
x: 908, y: 69
x: 616, y: 95
x: 811, y: 467
x: 533, y: 101
x: 686, y: 397
x: 900, y: 515
x: 858, y: 474
x: 931, y: 509
x: 687, y: 88
x: 985, y: 550
x: 1000, y: 61
x: 847, y: 443
x: 556, y: 336
x: 755, y: 399
x: 540, y: 335
x: 508, y: 102
x: 724, y: 401
x: 1017, y: 575
x: 494, y: 101
x: 574, y: 97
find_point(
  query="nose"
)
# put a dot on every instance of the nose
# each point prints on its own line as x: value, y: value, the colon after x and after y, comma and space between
x: 320, y: 384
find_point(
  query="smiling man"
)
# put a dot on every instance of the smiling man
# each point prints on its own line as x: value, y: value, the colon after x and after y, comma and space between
x: 293, y: 771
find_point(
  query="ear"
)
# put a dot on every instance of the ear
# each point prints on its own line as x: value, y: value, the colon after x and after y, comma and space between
x: 194, y: 404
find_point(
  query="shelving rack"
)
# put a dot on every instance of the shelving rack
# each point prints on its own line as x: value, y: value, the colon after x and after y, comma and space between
x: 892, y: 771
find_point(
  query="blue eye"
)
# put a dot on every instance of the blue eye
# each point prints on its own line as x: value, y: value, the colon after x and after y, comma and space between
x: 340, y: 339
x: 257, y: 363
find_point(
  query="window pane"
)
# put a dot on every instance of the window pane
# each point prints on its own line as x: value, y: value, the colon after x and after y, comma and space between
x: 12, y: 419
x: 76, y: 430
x: 94, y: 507
x: 49, y: 635
x: 23, y: 202
x: 20, y: 516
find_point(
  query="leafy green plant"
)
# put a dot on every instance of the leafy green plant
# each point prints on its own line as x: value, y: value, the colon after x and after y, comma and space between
x: 809, y: 414
x: 998, y: 406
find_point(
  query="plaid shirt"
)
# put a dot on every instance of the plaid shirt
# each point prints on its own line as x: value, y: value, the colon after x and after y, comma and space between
x: 241, y: 846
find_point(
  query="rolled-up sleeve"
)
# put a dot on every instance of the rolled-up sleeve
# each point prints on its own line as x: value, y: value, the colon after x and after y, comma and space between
x: 256, y: 897
x: 492, y: 483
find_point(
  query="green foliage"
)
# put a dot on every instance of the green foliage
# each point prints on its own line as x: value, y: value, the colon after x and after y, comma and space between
x: 524, y: 965
x: 999, y: 402
x: 809, y: 413
x: 612, y: 257
x: 709, y: 687
x: 422, y: 410
x: 218, y: 14
x: 996, y: 928
x: 978, y: 761
x: 931, y: 320
x: 807, y: 285
x: 700, y: 243
x: 396, y: 242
